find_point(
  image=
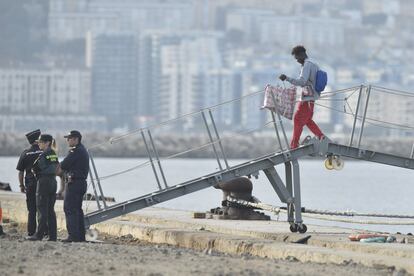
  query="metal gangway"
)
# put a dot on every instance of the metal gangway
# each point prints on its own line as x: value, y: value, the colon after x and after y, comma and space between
x: 289, y: 189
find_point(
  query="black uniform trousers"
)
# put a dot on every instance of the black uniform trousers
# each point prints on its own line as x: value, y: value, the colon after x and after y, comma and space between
x: 72, y: 206
x: 45, y: 201
x: 30, y: 184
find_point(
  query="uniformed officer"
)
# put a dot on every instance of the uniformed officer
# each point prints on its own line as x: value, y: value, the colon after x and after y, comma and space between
x: 27, y: 180
x: 44, y: 168
x: 75, y: 168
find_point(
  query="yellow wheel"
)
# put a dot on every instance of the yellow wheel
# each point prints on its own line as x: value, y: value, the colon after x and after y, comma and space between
x: 338, y: 163
x: 328, y: 164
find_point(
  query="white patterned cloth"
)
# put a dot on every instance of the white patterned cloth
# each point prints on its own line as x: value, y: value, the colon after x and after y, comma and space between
x: 285, y: 100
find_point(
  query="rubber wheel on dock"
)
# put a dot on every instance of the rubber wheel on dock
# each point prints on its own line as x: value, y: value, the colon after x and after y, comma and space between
x: 338, y: 163
x: 302, y: 228
x: 293, y: 228
x: 328, y: 164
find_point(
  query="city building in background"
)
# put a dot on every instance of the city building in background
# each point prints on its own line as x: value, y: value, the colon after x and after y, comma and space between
x: 184, y: 70
x: 57, y: 97
x: 71, y: 19
x: 132, y: 63
x: 222, y: 89
x: 53, y: 124
x: 115, y: 78
x: 45, y: 90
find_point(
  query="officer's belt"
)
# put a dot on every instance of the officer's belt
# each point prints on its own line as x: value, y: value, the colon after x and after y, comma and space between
x: 29, y: 176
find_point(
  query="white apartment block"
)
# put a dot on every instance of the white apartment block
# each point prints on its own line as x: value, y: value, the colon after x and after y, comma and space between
x: 266, y: 26
x: 52, y: 124
x: 252, y: 117
x: 222, y: 86
x: 45, y: 91
x: 72, y: 19
x: 184, y: 67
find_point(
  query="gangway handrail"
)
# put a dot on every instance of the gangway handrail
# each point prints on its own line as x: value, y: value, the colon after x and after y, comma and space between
x: 368, y: 119
x: 325, y: 95
x: 267, y: 163
x: 138, y: 130
x: 205, y: 145
x: 393, y: 91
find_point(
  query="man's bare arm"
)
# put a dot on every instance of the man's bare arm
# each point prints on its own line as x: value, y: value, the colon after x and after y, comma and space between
x: 59, y: 173
x: 62, y: 186
x: 21, y: 184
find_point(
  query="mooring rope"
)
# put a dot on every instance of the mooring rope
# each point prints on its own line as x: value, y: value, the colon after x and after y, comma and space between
x: 321, y: 214
x: 347, y: 220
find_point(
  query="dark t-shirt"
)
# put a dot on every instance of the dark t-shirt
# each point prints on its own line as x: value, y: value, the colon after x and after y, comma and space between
x: 27, y: 159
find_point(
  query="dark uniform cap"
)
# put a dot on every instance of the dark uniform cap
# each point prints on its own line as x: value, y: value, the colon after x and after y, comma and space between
x: 33, y: 136
x: 73, y: 133
x: 46, y: 138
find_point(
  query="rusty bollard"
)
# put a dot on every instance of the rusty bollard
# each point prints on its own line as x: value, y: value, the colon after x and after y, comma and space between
x: 239, y: 188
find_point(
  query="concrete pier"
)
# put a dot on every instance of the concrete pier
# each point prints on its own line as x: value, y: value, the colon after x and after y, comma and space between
x: 270, y: 239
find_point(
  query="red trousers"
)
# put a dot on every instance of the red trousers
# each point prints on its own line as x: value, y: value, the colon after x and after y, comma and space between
x: 303, y: 117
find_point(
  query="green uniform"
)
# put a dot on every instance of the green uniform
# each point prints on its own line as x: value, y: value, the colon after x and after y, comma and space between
x: 45, y: 170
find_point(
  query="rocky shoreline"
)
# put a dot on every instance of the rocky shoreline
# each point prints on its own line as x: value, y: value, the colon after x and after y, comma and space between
x: 236, y: 146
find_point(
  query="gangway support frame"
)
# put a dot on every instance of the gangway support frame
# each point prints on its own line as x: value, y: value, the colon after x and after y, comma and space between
x: 287, y: 193
x: 278, y: 186
x: 289, y: 187
x: 172, y: 192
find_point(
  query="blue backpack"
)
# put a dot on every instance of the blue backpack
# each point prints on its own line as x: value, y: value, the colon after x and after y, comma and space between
x: 321, y: 81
